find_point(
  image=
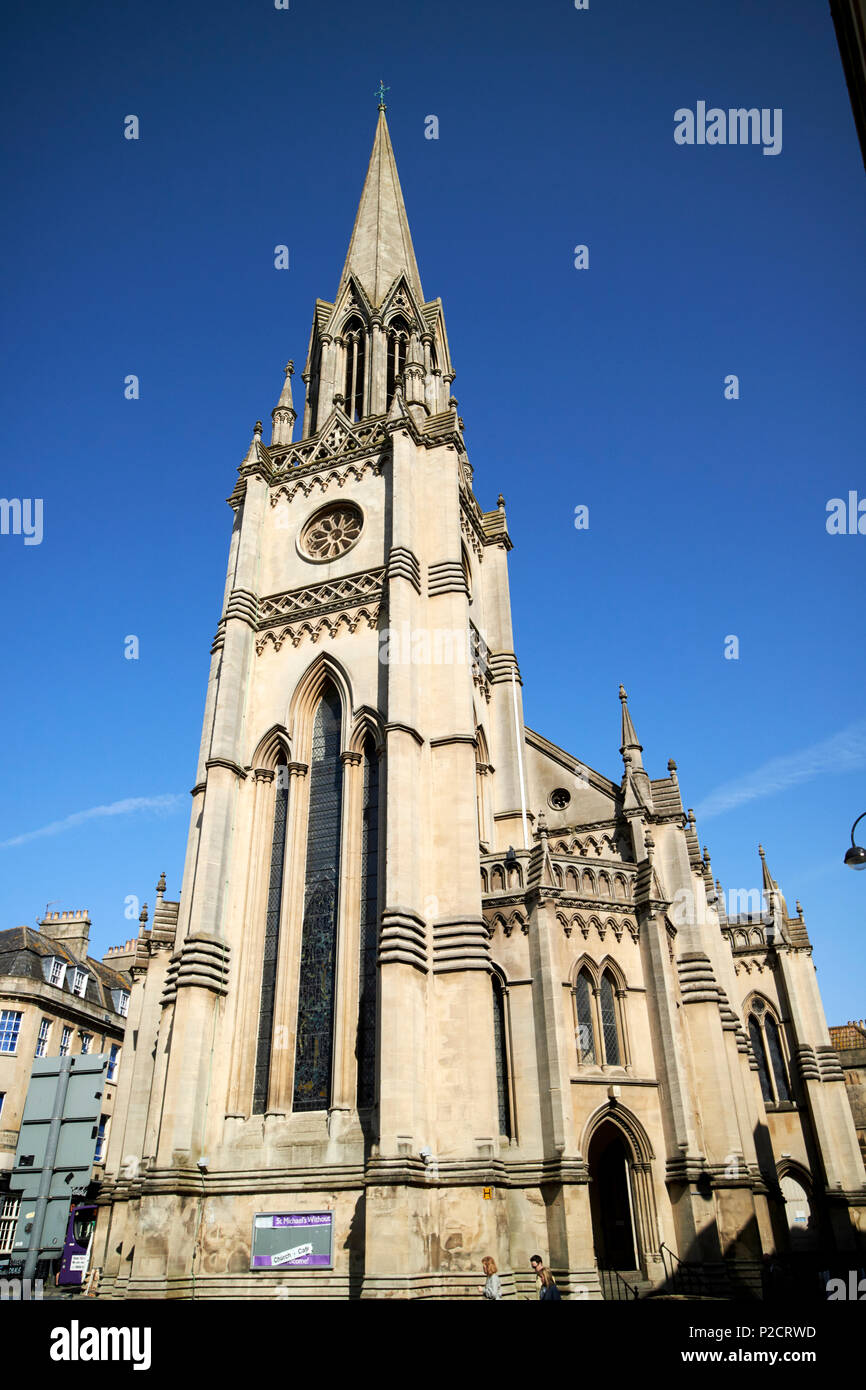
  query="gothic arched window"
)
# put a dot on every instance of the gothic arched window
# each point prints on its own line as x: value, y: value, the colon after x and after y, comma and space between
x: 757, y: 1037
x: 369, y: 927
x: 262, y: 1076
x: 777, y: 1061
x: 398, y: 347
x: 609, y: 1032
x: 355, y: 339
x: 501, y: 1044
x: 583, y: 1001
x: 768, y: 1049
x: 315, y: 1039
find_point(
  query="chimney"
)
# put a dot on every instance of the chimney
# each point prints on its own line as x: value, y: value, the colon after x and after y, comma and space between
x: 70, y: 928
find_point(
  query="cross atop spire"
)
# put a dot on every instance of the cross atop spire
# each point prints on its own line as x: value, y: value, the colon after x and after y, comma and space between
x: 381, y: 245
x: 381, y: 95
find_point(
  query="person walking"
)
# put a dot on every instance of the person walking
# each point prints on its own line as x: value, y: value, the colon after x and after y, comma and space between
x: 548, y: 1285
x: 493, y: 1287
x: 536, y: 1264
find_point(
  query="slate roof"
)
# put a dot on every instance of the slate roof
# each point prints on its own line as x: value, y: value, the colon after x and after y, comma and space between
x: 22, y: 950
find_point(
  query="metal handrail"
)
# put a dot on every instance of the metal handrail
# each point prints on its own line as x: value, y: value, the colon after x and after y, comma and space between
x: 681, y: 1274
x: 630, y: 1290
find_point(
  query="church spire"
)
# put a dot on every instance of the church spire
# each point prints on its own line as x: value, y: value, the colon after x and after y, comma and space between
x: 634, y: 775
x: 773, y: 895
x: 381, y: 245
x: 284, y: 414
x: 629, y: 737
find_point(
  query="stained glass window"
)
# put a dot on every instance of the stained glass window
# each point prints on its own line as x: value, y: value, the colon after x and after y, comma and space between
x: 369, y: 928
x: 501, y: 1058
x: 761, y: 1058
x: 608, y: 1022
x: 272, y: 938
x: 583, y: 1000
x: 774, y: 1046
x: 312, y: 1090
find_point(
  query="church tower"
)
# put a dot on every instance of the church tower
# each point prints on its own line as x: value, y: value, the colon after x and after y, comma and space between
x: 325, y: 1013
x: 395, y: 997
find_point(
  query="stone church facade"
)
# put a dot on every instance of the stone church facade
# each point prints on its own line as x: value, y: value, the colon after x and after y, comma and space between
x: 428, y: 972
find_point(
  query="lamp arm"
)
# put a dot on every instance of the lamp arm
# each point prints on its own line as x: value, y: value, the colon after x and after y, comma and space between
x: 854, y: 827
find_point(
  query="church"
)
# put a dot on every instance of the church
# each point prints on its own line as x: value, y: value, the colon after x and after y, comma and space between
x: 434, y: 989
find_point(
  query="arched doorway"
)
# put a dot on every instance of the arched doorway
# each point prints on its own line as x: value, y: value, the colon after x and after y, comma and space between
x: 802, y: 1227
x: 610, y: 1199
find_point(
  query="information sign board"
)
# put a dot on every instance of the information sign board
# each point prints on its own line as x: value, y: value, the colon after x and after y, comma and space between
x: 293, y: 1240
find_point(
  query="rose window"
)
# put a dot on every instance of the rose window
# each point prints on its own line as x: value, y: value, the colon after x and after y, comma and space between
x: 331, y: 532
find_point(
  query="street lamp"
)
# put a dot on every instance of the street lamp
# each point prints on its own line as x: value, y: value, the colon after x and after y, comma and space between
x: 855, y: 857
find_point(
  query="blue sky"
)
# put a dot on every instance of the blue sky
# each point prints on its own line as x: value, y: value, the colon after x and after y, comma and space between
x: 601, y: 387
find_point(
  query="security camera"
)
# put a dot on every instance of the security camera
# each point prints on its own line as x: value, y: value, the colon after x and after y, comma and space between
x: 201, y: 1164
x: 425, y: 1153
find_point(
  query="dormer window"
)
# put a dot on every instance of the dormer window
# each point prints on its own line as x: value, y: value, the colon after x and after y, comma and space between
x: 79, y: 983
x: 54, y: 970
x: 120, y: 1000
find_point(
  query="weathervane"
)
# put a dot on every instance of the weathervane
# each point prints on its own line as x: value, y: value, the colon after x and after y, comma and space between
x: 381, y: 95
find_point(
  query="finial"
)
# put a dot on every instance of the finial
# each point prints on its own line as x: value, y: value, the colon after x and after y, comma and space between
x: 650, y: 844
x: 761, y: 850
x: 257, y: 432
x: 142, y: 916
x: 707, y: 859
x: 160, y: 887
x: 381, y: 95
x: 672, y: 767
x: 622, y: 694
x: 691, y: 817
x: 542, y: 825
x: 500, y: 502
x: 799, y: 909
x: 290, y: 369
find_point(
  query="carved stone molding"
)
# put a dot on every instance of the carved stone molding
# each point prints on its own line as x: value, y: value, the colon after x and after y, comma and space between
x: 405, y: 729
x: 202, y: 962
x: 314, y: 628
x: 807, y: 1062
x: 228, y: 764
x: 318, y: 599
x: 829, y: 1064
x: 501, y: 665
x: 403, y: 564
x: 446, y: 577
x: 403, y: 938
x: 460, y: 943
x: 243, y: 605
x: 697, y: 981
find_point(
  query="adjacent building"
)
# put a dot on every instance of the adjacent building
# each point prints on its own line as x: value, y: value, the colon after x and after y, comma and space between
x: 849, y: 1040
x: 432, y: 984
x: 55, y: 1000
